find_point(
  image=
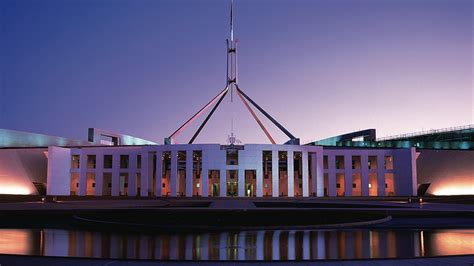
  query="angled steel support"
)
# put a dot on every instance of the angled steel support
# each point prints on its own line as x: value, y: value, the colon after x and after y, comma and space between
x: 256, y: 118
x: 196, y: 115
x: 207, y: 118
x: 284, y: 130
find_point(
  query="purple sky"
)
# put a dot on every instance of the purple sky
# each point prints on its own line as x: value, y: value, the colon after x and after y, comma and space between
x: 319, y: 67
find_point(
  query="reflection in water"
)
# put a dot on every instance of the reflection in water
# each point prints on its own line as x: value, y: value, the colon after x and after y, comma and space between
x: 245, y: 245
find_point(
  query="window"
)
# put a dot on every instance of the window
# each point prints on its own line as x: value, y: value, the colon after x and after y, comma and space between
x: 108, y: 161
x: 93, y: 184
x: 372, y: 163
x: 164, y: 185
x: 110, y: 185
x: 91, y: 159
x: 123, y: 161
x: 355, y: 162
x: 139, y: 161
x: 338, y: 185
x: 198, y: 185
x: 325, y: 162
x: 339, y: 162
x: 75, y: 162
x: 354, y: 185
x: 388, y: 162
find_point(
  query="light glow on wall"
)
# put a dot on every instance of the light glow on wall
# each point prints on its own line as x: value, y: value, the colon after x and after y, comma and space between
x: 15, y: 190
x: 458, y: 185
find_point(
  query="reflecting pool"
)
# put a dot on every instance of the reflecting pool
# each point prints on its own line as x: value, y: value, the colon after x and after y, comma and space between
x: 244, y: 245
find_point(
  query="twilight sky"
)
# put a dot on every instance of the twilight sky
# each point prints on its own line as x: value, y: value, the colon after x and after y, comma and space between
x: 321, y: 68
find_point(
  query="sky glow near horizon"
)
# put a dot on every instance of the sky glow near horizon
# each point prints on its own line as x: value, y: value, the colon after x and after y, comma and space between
x: 321, y: 68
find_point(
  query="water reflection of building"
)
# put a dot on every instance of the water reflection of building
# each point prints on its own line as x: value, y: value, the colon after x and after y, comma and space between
x: 250, y: 245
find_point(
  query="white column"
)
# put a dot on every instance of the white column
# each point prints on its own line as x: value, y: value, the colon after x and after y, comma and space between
x: 331, y: 175
x: 260, y: 243
x: 82, y: 175
x: 364, y: 181
x: 380, y: 174
x: 132, y: 174
x: 318, y: 162
x: 144, y: 174
x: 174, y: 173
x: 115, y: 175
x: 276, y: 245
x: 99, y: 174
x: 291, y: 245
x: 189, y: 173
x: 222, y: 182
x: 291, y: 174
x: 348, y: 175
x: 205, y: 180
x: 275, y: 174
x: 305, y: 174
x: 259, y: 174
x: 241, y: 178
x: 159, y: 173
x: 306, y: 245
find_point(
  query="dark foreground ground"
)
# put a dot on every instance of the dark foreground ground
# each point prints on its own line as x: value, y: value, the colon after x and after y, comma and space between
x: 53, y: 261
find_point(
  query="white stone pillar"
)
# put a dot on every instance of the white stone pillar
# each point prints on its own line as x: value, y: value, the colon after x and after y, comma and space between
x: 291, y: 174
x: 318, y: 163
x: 259, y: 174
x: 222, y: 182
x: 331, y: 175
x: 99, y: 174
x: 189, y: 173
x: 115, y: 174
x: 144, y: 173
x: 380, y: 174
x: 159, y: 173
x: 82, y: 174
x: 348, y: 175
x: 241, y: 186
x: 174, y: 173
x: 275, y: 174
x: 132, y: 174
x: 305, y: 174
x: 205, y: 180
x: 364, y: 176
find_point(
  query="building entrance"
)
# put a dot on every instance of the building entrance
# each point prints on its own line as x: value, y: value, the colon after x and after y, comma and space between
x: 232, y: 189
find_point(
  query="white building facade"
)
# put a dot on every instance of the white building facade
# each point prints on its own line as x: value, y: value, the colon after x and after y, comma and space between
x: 213, y: 170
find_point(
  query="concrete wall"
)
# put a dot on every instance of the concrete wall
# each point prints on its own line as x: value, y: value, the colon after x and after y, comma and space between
x: 450, y: 172
x: 59, y: 177
x: 19, y: 168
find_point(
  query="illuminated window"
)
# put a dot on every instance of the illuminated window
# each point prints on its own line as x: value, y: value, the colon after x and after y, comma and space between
x: 91, y: 160
x: 388, y: 162
x: 75, y: 161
